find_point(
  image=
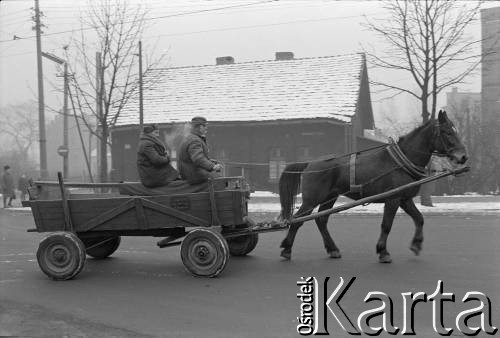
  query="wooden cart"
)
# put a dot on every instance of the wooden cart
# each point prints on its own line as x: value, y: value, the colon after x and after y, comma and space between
x: 214, y: 224
x: 93, y: 224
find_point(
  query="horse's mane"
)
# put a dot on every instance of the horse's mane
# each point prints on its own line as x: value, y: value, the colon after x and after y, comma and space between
x: 415, y: 131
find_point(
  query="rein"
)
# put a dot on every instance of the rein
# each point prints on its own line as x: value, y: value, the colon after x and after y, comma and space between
x: 393, y: 148
x: 327, y: 157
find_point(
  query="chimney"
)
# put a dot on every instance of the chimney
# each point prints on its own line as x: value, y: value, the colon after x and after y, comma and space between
x: 224, y: 60
x: 280, y: 56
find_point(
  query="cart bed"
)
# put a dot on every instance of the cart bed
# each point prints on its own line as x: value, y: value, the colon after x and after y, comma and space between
x: 140, y: 212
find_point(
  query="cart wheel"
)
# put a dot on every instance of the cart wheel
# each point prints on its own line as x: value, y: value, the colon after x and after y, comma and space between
x: 101, y: 247
x: 61, y: 255
x: 204, y: 252
x: 242, y: 245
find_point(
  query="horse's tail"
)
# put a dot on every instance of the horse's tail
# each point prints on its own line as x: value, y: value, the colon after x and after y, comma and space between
x: 289, y: 188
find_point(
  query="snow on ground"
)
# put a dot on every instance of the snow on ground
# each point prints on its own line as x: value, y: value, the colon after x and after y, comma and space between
x: 378, y: 208
x: 467, y: 194
x: 264, y: 194
x: 264, y: 201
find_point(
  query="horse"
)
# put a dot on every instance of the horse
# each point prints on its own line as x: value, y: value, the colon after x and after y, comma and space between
x: 367, y: 173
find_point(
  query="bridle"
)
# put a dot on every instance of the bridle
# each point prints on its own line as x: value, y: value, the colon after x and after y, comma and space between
x: 438, y: 137
x: 404, y: 162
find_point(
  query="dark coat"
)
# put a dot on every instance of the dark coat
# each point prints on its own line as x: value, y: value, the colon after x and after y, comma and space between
x: 194, y: 164
x: 153, y: 162
x: 7, y: 184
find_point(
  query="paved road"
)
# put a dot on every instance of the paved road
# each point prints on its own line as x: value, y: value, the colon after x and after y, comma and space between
x: 145, y: 291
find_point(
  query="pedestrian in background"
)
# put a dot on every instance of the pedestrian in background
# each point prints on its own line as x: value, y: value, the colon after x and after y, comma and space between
x: 7, y: 183
x: 22, y: 185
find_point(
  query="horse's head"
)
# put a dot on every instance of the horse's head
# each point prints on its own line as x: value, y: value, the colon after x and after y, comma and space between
x: 446, y: 140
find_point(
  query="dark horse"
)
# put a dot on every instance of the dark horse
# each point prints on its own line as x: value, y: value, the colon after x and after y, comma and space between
x: 376, y: 170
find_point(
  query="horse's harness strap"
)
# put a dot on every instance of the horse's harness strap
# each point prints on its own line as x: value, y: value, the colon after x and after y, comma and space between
x: 355, y: 188
x: 400, y: 158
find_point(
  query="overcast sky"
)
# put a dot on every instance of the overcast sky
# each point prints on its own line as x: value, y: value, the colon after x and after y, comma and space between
x: 254, y: 31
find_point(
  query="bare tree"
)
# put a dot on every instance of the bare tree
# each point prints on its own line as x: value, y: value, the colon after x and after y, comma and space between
x: 105, y: 73
x: 390, y: 124
x: 427, y: 39
x: 20, y: 128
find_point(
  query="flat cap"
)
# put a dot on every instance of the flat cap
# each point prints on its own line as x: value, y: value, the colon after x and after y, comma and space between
x: 150, y: 128
x: 198, y: 120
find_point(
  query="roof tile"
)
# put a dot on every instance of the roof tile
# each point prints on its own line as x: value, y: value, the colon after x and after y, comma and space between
x: 320, y: 87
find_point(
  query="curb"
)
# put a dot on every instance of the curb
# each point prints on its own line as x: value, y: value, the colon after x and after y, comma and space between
x: 14, y: 210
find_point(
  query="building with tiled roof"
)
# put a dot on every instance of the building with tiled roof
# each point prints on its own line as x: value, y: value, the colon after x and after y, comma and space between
x: 261, y: 114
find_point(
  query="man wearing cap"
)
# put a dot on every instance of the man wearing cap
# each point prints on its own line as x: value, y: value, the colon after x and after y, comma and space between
x: 153, y: 162
x: 194, y: 164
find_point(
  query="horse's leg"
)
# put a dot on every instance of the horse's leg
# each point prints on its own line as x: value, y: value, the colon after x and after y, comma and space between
x: 287, y: 242
x: 390, y: 209
x: 409, y: 207
x: 332, y: 249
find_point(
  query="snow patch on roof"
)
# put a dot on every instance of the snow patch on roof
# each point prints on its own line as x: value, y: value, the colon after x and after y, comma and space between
x: 308, y: 88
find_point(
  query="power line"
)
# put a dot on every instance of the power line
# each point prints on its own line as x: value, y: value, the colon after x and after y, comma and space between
x: 160, y: 7
x: 13, y: 36
x: 8, y: 14
x: 258, y: 26
x: 251, y: 26
x: 158, y: 17
x: 248, y: 27
x: 12, y: 31
x: 16, y: 22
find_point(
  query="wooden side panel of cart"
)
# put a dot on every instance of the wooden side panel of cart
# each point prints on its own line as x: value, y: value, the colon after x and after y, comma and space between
x: 141, y: 213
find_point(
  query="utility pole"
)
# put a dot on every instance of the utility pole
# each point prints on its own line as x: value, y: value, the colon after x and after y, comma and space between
x: 65, y: 122
x: 81, y: 137
x: 41, y: 102
x: 63, y: 150
x: 141, y: 104
x: 469, y: 140
x: 98, y: 108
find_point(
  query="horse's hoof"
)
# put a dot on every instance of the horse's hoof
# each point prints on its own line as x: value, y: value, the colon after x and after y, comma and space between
x: 286, y: 255
x: 385, y: 259
x: 415, y: 249
x: 335, y: 254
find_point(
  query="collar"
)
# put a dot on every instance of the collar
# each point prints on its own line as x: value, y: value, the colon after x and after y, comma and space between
x: 199, y: 135
x: 152, y: 138
x: 415, y: 171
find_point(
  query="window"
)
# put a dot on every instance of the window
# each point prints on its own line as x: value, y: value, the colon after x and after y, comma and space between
x: 172, y: 153
x: 276, y: 164
x: 221, y: 156
x: 303, y: 153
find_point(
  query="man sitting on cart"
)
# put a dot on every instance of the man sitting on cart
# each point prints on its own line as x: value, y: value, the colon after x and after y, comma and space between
x: 194, y: 164
x: 153, y: 162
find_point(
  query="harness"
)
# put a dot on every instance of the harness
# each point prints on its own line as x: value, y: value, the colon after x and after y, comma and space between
x: 402, y: 161
x: 353, y: 187
x: 415, y: 171
x: 397, y: 155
